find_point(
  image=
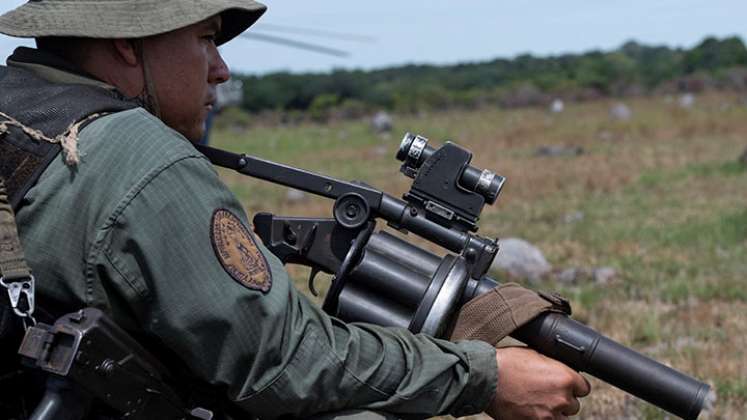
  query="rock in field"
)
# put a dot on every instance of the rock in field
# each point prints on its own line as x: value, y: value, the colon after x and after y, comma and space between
x: 576, y: 275
x: 574, y: 217
x: 572, y: 276
x: 557, y: 106
x: 295, y: 196
x: 620, y: 112
x: 381, y: 122
x: 559, y: 150
x: 521, y: 260
x: 604, y: 275
x: 687, y: 101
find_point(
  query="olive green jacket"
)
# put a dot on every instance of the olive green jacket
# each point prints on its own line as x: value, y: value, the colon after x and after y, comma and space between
x: 129, y: 231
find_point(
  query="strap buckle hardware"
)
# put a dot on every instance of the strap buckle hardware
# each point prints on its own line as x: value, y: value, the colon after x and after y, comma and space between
x: 23, y: 286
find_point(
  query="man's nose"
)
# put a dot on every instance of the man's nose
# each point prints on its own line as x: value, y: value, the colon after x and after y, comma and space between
x: 218, y: 71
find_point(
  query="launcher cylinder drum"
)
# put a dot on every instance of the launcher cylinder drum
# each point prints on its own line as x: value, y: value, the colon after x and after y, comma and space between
x: 398, y: 284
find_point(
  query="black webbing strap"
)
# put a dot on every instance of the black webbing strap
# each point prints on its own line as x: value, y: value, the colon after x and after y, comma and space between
x: 15, y: 274
x: 220, y: 157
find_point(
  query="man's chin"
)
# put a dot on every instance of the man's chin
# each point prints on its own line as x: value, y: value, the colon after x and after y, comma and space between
x: 196, y: 137
x: 194, y: 134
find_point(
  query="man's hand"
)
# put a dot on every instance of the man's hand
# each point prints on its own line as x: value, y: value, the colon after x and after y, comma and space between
x: 532, y: 386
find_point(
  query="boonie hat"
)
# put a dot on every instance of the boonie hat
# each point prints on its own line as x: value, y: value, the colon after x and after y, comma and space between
x: 126, y: 18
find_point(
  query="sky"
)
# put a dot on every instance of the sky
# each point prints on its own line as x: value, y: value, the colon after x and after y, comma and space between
x: 400, y: 32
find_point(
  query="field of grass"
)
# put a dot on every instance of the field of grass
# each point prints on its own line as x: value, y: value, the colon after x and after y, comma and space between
x: 660, y: 198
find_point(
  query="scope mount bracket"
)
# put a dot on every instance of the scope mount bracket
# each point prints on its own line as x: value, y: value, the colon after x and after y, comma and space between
x: 436, y: 190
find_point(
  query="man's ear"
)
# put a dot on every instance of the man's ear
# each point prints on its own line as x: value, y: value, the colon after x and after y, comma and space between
x: 127, y: 51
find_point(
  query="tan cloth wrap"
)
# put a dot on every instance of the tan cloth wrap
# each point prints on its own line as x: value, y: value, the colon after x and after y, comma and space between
x: 12, y: 263
x: 494, y: 315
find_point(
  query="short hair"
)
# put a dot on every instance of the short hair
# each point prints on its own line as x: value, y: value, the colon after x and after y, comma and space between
x: 72, y: 49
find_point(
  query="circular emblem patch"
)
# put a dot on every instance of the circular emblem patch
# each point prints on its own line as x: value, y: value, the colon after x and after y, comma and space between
x: 237, y: 251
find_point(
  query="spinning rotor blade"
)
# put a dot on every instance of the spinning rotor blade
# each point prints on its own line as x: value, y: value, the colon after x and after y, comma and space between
x: 270, y: 27
x: 296, y: 44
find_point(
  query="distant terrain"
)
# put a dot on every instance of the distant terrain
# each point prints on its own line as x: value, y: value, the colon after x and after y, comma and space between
x: 631, y: 70
x: 657, y: 194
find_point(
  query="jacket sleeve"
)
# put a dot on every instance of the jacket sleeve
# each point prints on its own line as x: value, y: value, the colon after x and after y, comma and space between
x: 274, y: 351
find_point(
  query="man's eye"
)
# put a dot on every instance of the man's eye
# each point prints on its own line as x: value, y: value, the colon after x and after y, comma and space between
x: 210, y: 37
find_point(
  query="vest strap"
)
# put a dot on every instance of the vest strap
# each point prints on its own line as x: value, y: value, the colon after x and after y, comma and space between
x: 15, y: 274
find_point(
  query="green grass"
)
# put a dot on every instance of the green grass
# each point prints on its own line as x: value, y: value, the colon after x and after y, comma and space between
x: 733, y: 388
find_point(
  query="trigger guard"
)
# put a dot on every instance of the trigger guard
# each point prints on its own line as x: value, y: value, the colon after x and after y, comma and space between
x: 338, y: 281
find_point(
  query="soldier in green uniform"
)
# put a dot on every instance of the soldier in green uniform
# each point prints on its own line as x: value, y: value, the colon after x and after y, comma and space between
x: 131, y: 219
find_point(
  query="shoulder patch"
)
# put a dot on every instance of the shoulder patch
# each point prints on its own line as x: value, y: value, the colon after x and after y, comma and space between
x: 238, y: 253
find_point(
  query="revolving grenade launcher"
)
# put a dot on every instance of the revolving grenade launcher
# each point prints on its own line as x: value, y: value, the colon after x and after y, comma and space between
x: 382, y: 279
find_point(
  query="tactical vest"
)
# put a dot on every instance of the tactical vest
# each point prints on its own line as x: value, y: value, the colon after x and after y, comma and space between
x: 50, y: 108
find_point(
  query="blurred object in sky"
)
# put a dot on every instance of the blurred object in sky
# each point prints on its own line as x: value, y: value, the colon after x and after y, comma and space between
x: 343, y: 36
x: 302, y: 45
x: 620, y: 112
x: 257, y: 34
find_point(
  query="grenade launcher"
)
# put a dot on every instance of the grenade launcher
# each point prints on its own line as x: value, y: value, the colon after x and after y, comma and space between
x: 382, y: 279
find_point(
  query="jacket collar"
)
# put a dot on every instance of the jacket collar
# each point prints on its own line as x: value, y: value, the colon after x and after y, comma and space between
x: 52, y: 68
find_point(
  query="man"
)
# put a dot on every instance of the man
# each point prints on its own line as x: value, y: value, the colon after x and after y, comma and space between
x: 130, y: 218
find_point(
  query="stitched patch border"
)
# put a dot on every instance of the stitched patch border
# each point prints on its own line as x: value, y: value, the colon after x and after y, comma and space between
x: 237, y: 251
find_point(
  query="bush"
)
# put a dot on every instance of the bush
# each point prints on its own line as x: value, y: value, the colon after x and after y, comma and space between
x: 233, y: 118
x: 322, y: 105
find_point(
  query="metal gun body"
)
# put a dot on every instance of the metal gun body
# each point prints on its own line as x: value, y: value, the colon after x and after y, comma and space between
x: 88, y: 357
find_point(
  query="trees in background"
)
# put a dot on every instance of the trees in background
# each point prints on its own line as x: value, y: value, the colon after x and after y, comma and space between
x: 525, y: 80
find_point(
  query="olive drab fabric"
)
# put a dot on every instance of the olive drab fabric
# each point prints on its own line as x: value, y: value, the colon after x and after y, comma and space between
x: 126, y: 18
x: 12, y: 262
x: 128, y: 230
x: 12, y: 267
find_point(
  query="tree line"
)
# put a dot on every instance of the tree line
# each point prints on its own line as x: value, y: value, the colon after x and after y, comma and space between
x: 524, y: 80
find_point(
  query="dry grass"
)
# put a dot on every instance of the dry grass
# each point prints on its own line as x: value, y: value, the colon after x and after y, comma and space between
x: 663, y: 202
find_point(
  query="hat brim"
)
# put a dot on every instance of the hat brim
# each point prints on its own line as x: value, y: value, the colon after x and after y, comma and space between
x: 236, y: 21
x: 126, y: 18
